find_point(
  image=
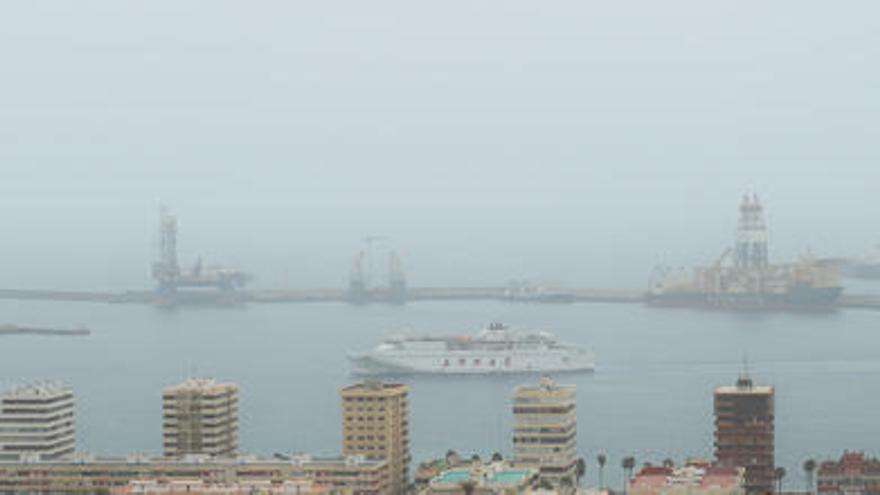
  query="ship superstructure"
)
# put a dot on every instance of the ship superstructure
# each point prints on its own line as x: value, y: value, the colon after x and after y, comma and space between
x: 743, y: 278
x: 495, y: 349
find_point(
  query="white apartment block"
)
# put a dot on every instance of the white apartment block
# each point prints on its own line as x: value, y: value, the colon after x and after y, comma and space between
x: 37, y: 421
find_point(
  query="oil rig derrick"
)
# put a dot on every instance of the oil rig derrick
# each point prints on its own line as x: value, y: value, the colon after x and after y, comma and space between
x: 166, y: 270
x: 364, y: 286
x: 199, y: 284
x: 750, y: 252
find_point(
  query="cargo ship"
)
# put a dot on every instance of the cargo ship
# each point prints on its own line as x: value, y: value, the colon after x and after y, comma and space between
x: 743, y: 279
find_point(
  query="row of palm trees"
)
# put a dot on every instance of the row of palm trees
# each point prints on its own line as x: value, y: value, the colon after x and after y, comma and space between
x: 628, y: 464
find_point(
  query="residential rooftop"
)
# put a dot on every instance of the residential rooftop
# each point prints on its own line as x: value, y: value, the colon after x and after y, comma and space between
x: 544, y: 386
x: 198, y: 384
x: 696, y: 474
x: 36, y: 390
x: 374, y: 386
x: 81, y: 458
x: 735, y: 390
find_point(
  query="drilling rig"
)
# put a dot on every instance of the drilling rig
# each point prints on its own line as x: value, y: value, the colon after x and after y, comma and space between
x: 200, y: 284
x: 363, y: 286
x: 743, y: 278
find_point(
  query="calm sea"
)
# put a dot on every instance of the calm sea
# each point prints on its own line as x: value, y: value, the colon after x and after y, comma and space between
x: 650, y: 396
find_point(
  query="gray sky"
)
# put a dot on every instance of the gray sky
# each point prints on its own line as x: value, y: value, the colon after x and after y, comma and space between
x: 575, y: 141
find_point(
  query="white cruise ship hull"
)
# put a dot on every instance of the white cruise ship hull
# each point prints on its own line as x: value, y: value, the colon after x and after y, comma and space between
x: 470, y: 362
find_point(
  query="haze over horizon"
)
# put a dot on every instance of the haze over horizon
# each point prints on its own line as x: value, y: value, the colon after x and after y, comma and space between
x: 573, y: 142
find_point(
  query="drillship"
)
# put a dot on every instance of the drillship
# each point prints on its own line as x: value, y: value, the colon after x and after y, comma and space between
x: 495, y: 349
x: 743, y: 279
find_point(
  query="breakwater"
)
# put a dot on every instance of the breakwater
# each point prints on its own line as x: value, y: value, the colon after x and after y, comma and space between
x: 278, y: 296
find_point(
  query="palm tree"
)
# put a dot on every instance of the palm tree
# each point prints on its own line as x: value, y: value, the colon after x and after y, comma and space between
x: 809, y: 468
x: 779, y: 474
x: 497, y: 457
x: 628, y: 464
x: 601, y: 459
x: 580, y: 470
x: 668, y: 463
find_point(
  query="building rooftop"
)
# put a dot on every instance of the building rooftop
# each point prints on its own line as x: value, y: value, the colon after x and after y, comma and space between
x: 744, y: 385
x: 375, y: 386
x: 547, y: 385
x: 198, y: 487
x: 198, y: 384
x: 200, y: 459
x: 37, y: 390
x: 735, y: 390
x: 656, y: 479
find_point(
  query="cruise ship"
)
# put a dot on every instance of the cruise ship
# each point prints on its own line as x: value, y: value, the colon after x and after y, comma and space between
x: 494, y: 350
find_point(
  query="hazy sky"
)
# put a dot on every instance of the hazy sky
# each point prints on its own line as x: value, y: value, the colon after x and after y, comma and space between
x: 574, y: 141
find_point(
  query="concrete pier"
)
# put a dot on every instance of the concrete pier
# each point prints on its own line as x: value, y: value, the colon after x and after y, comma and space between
x: 279, y: 296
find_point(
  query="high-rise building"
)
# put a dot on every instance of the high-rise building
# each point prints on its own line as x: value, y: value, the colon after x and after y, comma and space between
x: 744, y: 432
x: 544, y: 429
x: 37, y: 420
x: 200, y: 416
x: 375, y: 424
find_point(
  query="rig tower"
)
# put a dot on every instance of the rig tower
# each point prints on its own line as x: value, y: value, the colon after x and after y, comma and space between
x: 363, y: 286
x: 204, y: 284
x: 166, y: 270
x: 751, y: 235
